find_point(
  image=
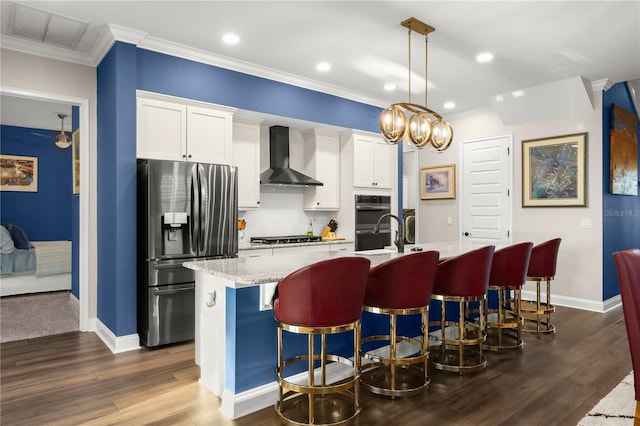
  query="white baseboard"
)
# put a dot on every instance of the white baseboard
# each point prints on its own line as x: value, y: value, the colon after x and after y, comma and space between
x: 114, y: 343
x: 574, y: 302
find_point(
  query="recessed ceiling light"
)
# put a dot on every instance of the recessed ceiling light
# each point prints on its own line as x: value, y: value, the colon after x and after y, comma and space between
x: 449, y: 105
x: 390, y: 87
x: 323, y: 66
x: 231, y: 38
x: 484, y: 57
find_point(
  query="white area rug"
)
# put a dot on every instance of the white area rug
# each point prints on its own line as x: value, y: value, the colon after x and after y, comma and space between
x: 36, y: 315
x: 617, y: 408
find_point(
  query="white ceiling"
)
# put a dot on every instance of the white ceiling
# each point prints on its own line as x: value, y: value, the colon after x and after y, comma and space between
x: 533, y: 43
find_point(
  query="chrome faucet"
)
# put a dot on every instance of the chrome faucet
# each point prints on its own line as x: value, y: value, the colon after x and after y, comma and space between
x: 399, y: 241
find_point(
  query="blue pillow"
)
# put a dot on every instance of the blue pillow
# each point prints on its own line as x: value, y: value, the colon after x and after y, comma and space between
x: 20, y: 239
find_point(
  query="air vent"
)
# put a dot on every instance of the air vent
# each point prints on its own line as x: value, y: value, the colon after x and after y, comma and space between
x: 44, y: 27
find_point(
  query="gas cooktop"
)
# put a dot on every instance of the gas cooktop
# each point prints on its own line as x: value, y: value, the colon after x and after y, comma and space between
x: 288, y: 239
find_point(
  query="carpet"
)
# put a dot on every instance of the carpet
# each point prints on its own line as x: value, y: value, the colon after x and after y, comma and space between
x: 617, y: 408
x: 36, y: 315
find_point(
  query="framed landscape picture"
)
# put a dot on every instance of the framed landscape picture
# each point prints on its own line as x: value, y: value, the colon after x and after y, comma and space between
x: 554, y: 171
x: 18, y: 173
x: 437, y: 183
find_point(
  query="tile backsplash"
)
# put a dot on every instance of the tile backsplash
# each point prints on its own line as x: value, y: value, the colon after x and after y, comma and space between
x: 281, y: 213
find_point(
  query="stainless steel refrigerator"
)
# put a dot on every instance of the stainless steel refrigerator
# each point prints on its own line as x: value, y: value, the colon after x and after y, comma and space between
x: 186, y: 211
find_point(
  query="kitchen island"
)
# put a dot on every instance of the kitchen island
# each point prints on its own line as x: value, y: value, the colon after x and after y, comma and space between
x: 235, y: 336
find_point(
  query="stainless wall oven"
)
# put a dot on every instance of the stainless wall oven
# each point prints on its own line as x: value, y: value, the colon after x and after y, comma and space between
x: 369, y: 208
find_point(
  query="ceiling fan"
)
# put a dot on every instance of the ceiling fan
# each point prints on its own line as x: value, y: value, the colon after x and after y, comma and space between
x: 62, y: 140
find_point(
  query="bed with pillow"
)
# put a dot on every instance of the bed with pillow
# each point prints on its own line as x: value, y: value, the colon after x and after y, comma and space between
x: 32, y: 266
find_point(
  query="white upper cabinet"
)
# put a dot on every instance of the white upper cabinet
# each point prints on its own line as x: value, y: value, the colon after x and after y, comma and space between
x: 209, y: 135
x: 322, y: 162
x: 372, y: 162
x: 246, y: 156
x: 178, y: 129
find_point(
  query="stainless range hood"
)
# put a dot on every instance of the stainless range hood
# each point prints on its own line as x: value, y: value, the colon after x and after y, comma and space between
x: 279, y: 172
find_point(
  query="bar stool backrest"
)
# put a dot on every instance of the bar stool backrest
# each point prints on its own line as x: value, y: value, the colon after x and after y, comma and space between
x: 324, y: 294
x: 404, y: 282
x: 544, y: 257
x: 628, y: 266
x: 510, y: 265
x: 466, y: 275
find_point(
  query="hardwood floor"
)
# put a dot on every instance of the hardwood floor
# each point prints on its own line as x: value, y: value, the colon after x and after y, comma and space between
x: 73, y: 379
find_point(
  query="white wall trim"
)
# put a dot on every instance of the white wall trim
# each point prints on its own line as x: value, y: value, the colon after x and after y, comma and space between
x: 576, y: 303
x: 117, y: 344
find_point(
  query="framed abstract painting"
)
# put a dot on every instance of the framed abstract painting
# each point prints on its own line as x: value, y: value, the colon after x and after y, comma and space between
x: 554, y: 171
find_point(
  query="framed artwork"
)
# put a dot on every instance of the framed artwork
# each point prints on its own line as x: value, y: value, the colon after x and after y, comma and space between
x: 75, y: 143
x: 624, y: 152
x: 554, y: 171
x: 437, y: 183
x: 18, y: 173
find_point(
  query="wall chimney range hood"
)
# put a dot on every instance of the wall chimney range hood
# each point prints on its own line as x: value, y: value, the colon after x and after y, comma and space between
x: 279, y: 172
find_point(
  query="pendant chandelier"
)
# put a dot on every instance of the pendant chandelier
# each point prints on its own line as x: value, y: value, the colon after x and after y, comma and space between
x: 425, y: 127
x: 62, y: 140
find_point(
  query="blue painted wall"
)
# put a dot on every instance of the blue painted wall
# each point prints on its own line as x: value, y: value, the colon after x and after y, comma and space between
x: 117, y: 190
x: 44, y: 215
x: 125, y: 69
x: 621, y: 213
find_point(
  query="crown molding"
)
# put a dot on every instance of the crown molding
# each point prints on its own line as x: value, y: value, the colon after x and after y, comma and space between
x: 601, y: 85
x: 197, y: 55
x: 113, y: 33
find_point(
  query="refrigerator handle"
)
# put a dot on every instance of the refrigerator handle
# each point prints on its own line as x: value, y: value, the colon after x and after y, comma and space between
x: 204, y: 211
x: 195, y: 209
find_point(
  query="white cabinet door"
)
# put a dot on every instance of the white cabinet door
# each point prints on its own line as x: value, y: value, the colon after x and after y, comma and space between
x: 322, y: 162
x: 383, y: 155
x: 363, y: 162
x: 373, y: 162
x: 246, y: 156
x: 161, y: 130
x: 209, y: 135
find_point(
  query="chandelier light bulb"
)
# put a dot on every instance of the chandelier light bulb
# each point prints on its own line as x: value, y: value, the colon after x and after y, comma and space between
x: 393, y: 124
x: 442, y: 135
x: 419, y: 130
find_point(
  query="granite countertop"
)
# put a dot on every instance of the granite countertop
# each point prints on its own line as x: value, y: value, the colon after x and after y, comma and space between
x: 246, y: 245
x: 252, y: 271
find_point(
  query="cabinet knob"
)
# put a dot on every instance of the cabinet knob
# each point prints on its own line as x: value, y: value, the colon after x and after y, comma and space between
x: 257, y: 202
x: 189, y: 156
x: 317, y: 203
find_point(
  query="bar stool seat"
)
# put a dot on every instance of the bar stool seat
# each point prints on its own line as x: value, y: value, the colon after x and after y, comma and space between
x: 461, y: 280
x: 399, y: 287
x: 321, y: 299
x: 508, y: 273
x: 542, y: 267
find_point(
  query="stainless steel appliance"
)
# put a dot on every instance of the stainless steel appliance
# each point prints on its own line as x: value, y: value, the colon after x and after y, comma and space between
x: 287, y: 239
x: 369, y: 208
x: 186, y: 211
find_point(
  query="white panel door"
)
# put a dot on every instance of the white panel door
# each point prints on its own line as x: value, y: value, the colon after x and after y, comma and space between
x: 486, y: 190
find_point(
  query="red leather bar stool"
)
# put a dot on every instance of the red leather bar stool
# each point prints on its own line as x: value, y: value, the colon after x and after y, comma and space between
x: 461, y: 280
x: 628, y: 267
x: 400, y: 286
x: 318, y: 300
x: 542, y: 267
x: 508, y: 274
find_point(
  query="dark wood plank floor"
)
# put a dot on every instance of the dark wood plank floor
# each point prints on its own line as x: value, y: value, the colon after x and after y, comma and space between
x: 73, y: 379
